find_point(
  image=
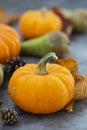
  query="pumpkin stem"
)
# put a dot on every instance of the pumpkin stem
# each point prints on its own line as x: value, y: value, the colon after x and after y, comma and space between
x: 41, y: 68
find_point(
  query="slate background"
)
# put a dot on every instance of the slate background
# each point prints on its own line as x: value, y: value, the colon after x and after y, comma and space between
x: 61, y: 120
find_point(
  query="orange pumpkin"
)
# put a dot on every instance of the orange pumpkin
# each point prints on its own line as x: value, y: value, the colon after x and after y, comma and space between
x: 35, y: 23
x: 9, y: 43
x: 39, y: 90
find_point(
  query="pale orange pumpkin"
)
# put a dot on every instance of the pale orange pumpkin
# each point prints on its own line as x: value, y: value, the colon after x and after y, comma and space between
x: 9, y: 43
x: 39, y: 90
x: 34, y: 23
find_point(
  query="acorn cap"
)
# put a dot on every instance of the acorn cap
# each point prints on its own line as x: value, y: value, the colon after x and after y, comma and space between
x: 60, y: 42
x: 77, y: 17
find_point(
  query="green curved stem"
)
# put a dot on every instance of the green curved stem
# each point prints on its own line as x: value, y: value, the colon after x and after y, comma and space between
x: 41, y: 68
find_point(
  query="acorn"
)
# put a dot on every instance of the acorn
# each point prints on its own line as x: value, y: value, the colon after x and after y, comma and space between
x: 54, y: 41
x: 78, y: 18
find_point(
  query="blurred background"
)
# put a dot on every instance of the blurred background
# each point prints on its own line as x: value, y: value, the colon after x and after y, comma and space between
x: 22, y: 5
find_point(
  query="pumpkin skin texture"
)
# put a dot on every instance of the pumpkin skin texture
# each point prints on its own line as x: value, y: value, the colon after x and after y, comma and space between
x: 9, y: 43
x: 35, y: 23
x: 41, y: 94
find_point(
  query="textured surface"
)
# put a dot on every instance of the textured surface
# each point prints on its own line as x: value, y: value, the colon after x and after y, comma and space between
x: 61, y: 120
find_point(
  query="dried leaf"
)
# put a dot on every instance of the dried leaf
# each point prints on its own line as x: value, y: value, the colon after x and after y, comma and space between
x: 80, y: 87
x: 67, y: 25
x: 69, y: 63
x: 69, y: 106
x: 80, y: 81
x: 7, y: 18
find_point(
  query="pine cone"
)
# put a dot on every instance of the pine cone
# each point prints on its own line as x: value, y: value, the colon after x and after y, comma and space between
x: 13, y: 64
x: 9, y: 116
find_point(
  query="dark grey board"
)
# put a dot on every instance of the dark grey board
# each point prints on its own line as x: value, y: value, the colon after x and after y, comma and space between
x: 60, y: 120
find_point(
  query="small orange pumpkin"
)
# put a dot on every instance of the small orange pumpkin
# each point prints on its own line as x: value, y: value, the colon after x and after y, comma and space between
x: 35, y: 23
x: 39, y: 90
x: 9, y: 43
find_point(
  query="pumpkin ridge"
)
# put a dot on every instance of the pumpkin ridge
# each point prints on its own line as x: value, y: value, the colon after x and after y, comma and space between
x: 4, y: 54
x: 16, y: 85
x: 15, y: 39
x: 10, y: 43
x: 63, y: 77
x: 56, y: 68
x: 6, y: 51
x: 58, y: 80
x: 1, y: 52
x: 27, y: 68
x: 8, y: 29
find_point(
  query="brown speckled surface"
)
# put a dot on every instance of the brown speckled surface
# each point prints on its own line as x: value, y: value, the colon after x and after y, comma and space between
x: 61, y: 120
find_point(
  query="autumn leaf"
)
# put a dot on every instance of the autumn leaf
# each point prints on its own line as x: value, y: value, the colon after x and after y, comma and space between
x: 67, y: 26
x: 80, y: 80
x: 69, y: 106
x: 69, y: 63
x: 80, y: 87
x: 8, y: 18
